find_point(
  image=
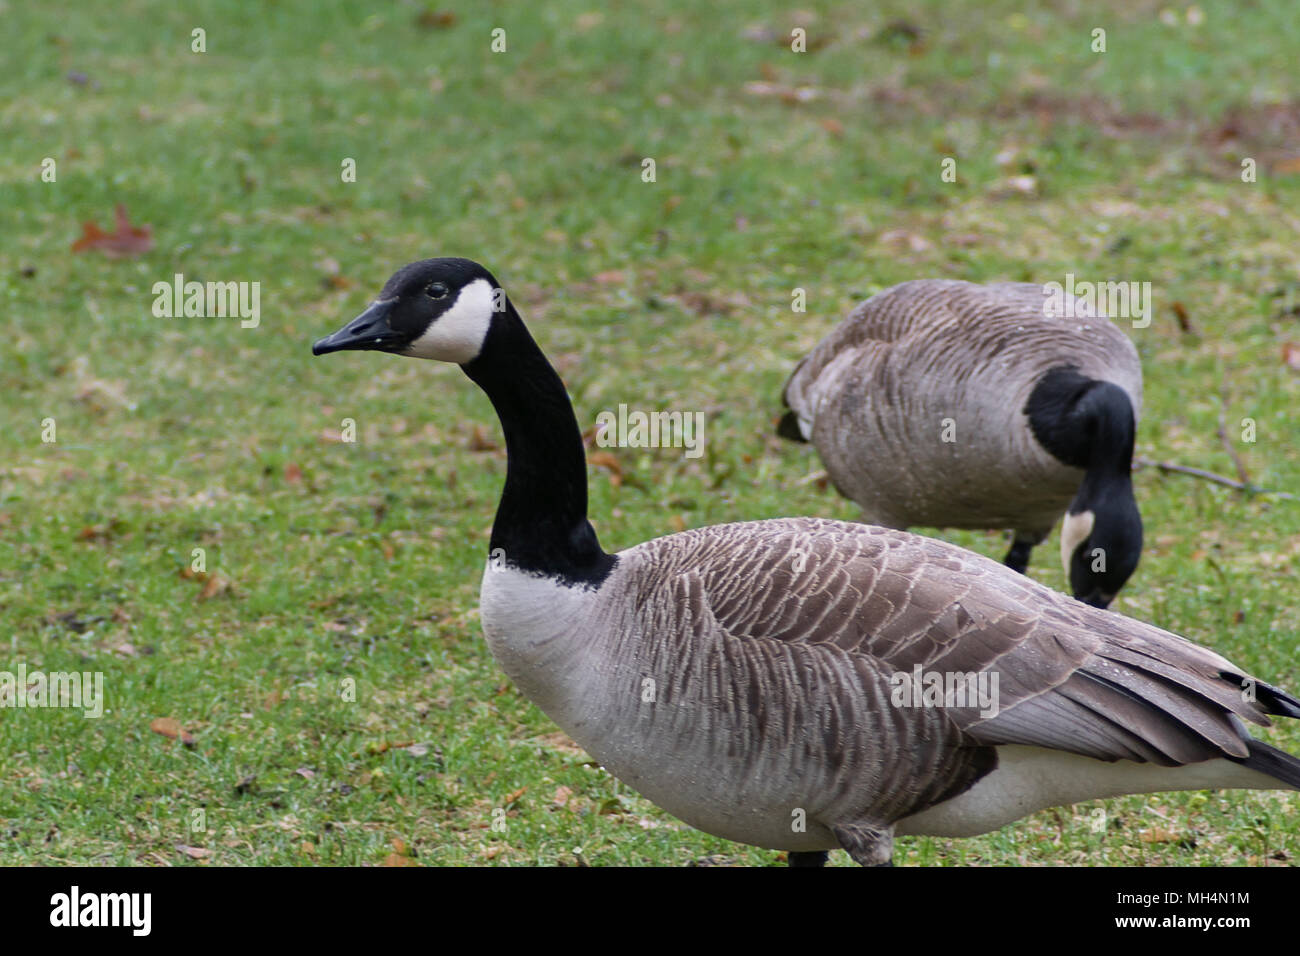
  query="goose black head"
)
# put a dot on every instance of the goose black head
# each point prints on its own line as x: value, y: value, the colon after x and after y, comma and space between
x: 434, y: 309
x: 1090, y: 424
x: 1101, y: 544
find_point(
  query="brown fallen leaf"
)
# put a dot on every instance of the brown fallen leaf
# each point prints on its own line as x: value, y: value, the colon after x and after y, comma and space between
x: 1291, y: 355
x: 436, y: 19
x: 1180, y: 313
x: 611, y: 277
x: 513, y: 797
x: 606, y: 460
x: 1158, y: 835
x: 215, y: 584
x: 171, y: 728
x: 293, y: 474
x: 833, y: 126
x: 396, y: 859
x: 562, y: 795
x: 126, y: 240
x: 491, y: 853
x: 194, y: 852
x: 677, y: 523
x: 479, y: 440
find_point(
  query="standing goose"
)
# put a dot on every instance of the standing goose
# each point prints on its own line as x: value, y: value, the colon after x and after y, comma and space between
x: 756, y: 679
x: 954, y: 405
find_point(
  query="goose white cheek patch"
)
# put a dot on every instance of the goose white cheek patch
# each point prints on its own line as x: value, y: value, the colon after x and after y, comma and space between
x: 1074, y: 530
x: 457, y: 335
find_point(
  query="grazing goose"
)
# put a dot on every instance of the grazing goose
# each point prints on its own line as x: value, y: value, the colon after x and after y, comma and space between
x: 771, y: 682
x: 953, y: 405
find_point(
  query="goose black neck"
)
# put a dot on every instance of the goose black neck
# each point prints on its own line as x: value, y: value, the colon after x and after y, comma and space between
x: 1085, y: 423
x: 541, y: 524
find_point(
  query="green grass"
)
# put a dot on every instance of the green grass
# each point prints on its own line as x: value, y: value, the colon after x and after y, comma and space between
x: 357, y: 564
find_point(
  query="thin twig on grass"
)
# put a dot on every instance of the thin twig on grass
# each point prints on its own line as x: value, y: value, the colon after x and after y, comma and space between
x: 1237, y: 463
x: 1140, y: 462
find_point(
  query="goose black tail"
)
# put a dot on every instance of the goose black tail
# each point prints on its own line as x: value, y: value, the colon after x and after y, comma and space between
x: 1277, y: 764
x: 788, y: 427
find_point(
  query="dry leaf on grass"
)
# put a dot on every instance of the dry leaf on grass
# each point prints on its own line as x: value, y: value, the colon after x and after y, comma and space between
x: 171, y: 728
x: 606, y: 460
x: 436, y: 19
x: 479, y: 440
x: 126, y: 240
x: 215, y: 584
x: 194, y: 852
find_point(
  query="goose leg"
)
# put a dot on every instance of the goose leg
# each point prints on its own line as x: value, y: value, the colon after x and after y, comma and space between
x: 1017, y: 558
x: 868, y: 845
x: 807, y: 858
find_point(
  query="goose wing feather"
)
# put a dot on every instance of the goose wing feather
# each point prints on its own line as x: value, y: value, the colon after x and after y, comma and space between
x: 1070, y: 677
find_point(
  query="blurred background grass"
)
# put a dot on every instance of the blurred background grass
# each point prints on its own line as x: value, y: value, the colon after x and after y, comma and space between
x: 330, y: 562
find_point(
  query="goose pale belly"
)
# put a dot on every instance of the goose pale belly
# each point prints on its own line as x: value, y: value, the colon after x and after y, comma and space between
x: 759, y: 742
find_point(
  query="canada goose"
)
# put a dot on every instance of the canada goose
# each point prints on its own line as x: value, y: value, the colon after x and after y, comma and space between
x: 954, y: 405
x: 756, y: 680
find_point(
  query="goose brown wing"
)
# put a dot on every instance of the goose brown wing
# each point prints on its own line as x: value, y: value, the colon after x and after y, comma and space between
x: 1068, y: 676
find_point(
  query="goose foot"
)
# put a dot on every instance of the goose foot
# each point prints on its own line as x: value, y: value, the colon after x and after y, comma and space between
x: 807, y: 858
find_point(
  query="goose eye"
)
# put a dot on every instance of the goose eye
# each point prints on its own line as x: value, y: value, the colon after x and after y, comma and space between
x: 436, y: 290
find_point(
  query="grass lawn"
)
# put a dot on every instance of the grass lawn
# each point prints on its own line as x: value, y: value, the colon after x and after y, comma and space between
x: 328, y: 660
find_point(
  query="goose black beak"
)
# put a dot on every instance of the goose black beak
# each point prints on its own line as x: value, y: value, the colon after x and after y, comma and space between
x: 369, y: 330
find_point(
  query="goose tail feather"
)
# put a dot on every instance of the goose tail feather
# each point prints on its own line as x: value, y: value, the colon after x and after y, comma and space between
x: 788, y: 427
x: 1268, y: 760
